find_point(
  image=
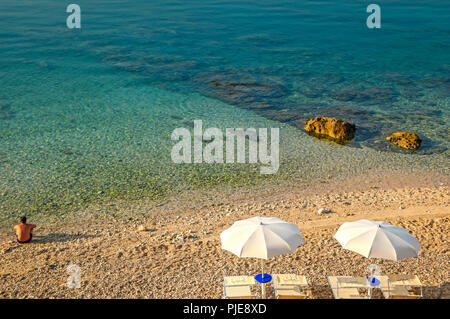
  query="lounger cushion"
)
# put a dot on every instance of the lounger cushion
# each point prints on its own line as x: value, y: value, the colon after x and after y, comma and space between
x: 399, y: 292
x: 289, y: 292
x: 238, y: 292
x: 239, y: 280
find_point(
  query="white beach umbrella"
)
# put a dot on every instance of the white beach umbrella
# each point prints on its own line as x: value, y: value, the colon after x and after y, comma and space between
x: 261, y: 237
x: 377, y: 239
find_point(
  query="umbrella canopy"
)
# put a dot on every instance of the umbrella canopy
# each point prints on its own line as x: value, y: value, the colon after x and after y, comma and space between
x: 261, y: 237
x: 377, y: 239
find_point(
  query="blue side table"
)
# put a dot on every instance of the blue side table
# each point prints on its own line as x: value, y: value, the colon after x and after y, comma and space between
x: 259, y: 278
x: 373, y: 281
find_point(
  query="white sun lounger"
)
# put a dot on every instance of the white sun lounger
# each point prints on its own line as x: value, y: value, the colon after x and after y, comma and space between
x: 400, y: 287
x: 238, y: 287
x: 347, y: 287
x: 290, y: 286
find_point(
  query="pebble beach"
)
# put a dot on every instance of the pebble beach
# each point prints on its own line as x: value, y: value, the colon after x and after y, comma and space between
x: 179, y: 254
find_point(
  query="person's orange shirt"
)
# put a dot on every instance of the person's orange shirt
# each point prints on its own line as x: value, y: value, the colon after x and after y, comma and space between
x: 23, y: 231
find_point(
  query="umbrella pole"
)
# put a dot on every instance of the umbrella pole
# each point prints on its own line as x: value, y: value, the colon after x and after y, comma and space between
x: 263, y: 294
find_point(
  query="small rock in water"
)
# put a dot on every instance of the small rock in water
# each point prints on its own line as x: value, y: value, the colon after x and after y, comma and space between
x: 322, y: 211
x: 330, y: 127
x: 408, y: 141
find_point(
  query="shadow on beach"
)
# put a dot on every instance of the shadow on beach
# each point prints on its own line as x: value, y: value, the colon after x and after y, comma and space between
x: 429, y: 292
x: 44, y: 239
x: 59, y: 237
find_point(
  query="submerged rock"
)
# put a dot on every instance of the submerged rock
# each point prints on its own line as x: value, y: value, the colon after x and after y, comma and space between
x: 250, y: 91
x: 398, y: 78
x: 247, y: 92
x: 436, y: 82
x: 281, y: 116
x: 5, y: 112
x: 176, y: 117
x: 332, y: 128
x: 313, y: 92
x: 408, y: 141
x: 369, y: 95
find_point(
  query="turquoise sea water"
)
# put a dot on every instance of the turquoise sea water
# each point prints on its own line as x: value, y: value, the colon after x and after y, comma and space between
x: 86, y: 114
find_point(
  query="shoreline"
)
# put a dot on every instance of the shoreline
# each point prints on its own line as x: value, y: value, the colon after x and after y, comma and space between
x: 227, y: 194
x: 194, y: 198
x: 117, y: 261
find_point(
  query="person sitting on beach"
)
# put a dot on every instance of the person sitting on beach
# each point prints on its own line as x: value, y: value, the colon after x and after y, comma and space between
x: 24, y: 231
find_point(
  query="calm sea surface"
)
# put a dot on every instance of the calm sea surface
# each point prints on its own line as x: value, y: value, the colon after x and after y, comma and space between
x: 86, y: 114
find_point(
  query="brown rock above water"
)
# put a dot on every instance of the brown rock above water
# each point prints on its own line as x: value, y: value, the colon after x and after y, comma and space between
x: 332, y: 128
x: 408, y: 141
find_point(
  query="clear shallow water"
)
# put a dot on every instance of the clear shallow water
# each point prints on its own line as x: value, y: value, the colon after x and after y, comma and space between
x: 86, y: 115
